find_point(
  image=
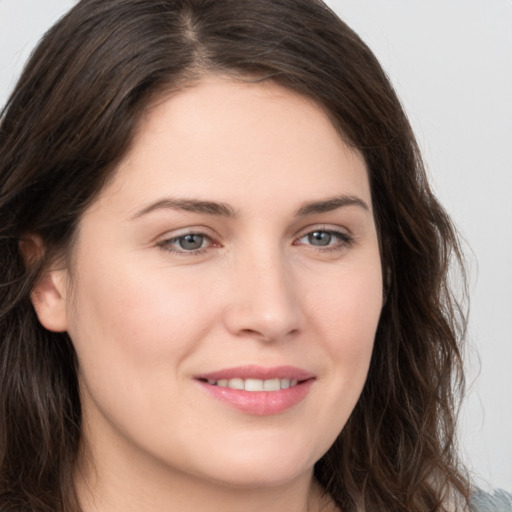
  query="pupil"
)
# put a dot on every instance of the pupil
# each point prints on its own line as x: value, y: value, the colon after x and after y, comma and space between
x: 191, y: 242
x: 320, y: 238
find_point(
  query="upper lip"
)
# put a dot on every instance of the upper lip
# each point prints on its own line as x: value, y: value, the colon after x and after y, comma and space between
x: 258, y: 372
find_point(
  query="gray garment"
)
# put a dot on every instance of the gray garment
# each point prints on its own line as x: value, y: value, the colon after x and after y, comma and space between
x: 497, y: 501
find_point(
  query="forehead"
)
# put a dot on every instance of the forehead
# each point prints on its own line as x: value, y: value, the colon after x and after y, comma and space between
x: 238, y: 141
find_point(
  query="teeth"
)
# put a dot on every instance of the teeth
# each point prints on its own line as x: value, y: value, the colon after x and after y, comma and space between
x: 255, y: 384
x: 271, y: 385
x: 236, y: 383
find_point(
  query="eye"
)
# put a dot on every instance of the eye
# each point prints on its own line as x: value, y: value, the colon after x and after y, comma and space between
x: 191, y: 242
x: 187, y: 243
x: 326, y: 238
x: 319, y: 238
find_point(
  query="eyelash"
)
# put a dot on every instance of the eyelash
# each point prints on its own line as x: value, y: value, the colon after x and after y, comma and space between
x: 167, y: 244
x: 344, y: 240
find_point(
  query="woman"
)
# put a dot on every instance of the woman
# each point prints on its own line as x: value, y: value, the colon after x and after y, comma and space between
x: 223, y: 271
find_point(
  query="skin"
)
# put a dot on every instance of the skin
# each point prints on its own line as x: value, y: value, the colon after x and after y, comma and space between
x: 147, y: 316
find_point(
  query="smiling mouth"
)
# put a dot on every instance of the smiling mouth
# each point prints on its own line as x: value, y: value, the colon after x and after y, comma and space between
x: 254, y: 384
x: 258, y: 390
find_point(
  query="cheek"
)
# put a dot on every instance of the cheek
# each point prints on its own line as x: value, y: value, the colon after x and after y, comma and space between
x: 144, y: 317
x: 348, y: 314
x: 348, y: 308
x: 344, y: 311
x: 132, y: 330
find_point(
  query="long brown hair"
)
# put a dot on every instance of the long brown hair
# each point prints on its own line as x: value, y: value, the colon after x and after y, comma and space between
x: 69, y: 121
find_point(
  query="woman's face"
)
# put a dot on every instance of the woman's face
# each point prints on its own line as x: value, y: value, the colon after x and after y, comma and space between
x: 235, y: 247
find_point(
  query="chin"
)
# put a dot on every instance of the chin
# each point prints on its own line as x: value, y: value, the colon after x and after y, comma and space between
x: 258, y: 466
x: 251, y: 477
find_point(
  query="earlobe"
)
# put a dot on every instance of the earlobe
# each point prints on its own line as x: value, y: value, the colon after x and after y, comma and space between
x: 49, y: 300
x: 49, y: 293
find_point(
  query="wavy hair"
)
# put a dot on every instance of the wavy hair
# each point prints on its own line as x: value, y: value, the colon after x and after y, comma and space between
x: 72, y: 117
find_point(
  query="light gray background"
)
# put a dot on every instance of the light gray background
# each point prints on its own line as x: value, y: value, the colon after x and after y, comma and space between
x: 451, y: 63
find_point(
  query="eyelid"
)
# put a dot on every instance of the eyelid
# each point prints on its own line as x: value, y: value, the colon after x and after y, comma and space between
x: 328, y: 228
x: 165, y: 242
x: 344, y: 235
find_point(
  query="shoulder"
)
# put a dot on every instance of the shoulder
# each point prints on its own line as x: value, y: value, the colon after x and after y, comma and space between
x: 497, y: 501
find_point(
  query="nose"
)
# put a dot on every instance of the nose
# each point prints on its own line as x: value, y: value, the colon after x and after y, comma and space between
x: 264, y: 301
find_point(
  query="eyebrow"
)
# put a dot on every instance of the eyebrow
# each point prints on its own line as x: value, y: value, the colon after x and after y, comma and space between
x: 225, y: 210
x: 331, y: 204
x: 189, y: 205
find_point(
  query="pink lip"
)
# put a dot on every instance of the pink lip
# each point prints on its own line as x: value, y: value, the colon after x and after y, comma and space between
x: 261, y: 403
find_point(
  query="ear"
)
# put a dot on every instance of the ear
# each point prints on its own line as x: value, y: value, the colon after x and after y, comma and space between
x: 49, y: 300
x: 49, y: 293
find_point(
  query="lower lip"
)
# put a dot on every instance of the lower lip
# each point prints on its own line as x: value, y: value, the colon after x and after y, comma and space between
x: 260, y: 403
